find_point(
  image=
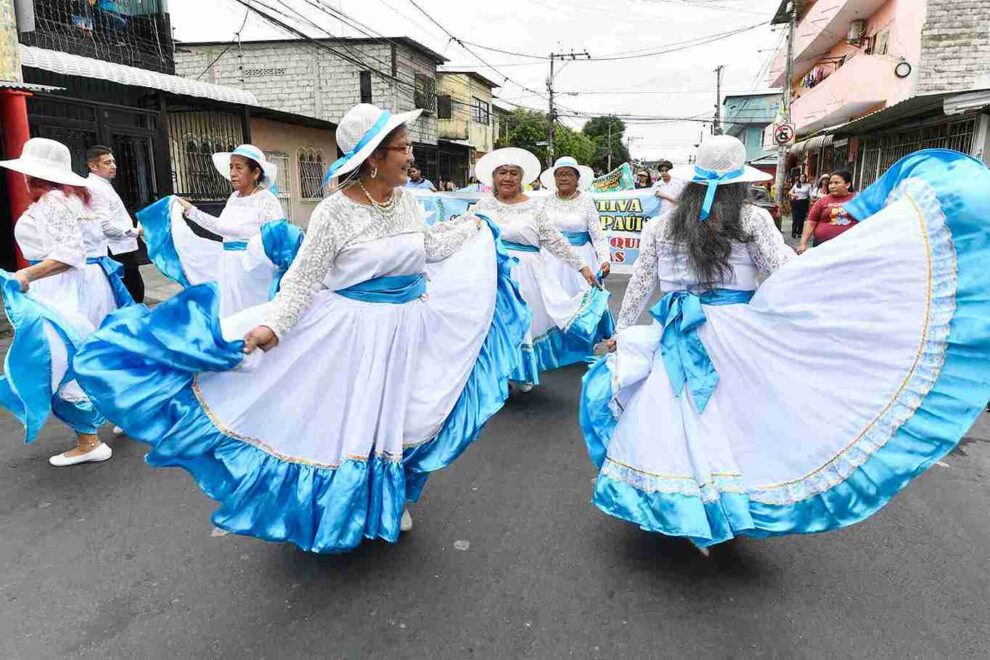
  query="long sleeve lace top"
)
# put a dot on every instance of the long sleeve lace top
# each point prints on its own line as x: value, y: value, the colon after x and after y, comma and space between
x: 665, y: 265
x: 580, y: 214
x: 339, y: 222
x: 246, y: 214
x: 51, y: 229
x: 527, y: 223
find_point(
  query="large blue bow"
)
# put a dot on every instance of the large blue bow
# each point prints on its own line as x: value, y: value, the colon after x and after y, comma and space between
x: 681, y: 313
x: 362, y: 143
x: 712, y: 179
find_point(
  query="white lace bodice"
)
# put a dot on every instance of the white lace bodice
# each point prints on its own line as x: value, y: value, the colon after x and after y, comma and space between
x: 580, y: 214
x: 339, y: 223
x: 51, y: 229
x: 664, y: 264
x: 241, y: 217
x: 527, y: 223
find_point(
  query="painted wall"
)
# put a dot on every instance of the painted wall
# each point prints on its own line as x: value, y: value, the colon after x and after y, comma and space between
x: 291, y: 140
x: 461, y: 88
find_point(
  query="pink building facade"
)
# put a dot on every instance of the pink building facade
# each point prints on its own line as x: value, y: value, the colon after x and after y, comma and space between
x: 874, y: 80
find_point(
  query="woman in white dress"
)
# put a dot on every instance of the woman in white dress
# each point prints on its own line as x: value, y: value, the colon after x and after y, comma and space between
x: 564, y: 325
x: 105, y: 289
x: 387, y: 348
x: 49, y: 303
x: 707, y: 424
x: 573, y: 212
x: 244, y: 280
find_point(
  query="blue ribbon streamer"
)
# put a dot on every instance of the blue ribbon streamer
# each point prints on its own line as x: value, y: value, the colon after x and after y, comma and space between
x: 712, y: 179
x: 684, y: 355
x: 362, y: 143
x: 235, y: 246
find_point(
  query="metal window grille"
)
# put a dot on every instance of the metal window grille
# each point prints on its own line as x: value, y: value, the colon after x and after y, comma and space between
x: 283, y: 179
x: 480, y: 111
x: 311, y: 170
x: 194, y: 136
x: 878, y: 153
x: 444, y: 107
x: 132, y: 32
x: 426, y: 94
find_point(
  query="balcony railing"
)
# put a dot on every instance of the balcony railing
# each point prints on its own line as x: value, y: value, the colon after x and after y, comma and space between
x: 826, y: 24
x: 845, y: 93
x: 132, y: 32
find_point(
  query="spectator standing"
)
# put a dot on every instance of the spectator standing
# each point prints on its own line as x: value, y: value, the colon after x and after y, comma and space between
x: 828, y: 217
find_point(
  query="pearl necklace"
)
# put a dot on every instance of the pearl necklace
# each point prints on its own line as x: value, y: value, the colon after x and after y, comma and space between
x: 568, y: 199
x: 386, y: 209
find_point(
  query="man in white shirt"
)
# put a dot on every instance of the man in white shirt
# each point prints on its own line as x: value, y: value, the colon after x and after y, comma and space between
x: 122, y: 235
x: 666, y: 189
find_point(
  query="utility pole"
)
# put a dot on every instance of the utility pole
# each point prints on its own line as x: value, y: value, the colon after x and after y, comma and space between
x: 786, y: 106
x: 552, y: 115
x: 608, y: 167
x: 717, y: 124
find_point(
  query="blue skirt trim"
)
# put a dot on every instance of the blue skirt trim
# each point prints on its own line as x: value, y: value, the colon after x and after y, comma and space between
x: 142, y: 367
x: 935, y: 410
x: 26, y: 386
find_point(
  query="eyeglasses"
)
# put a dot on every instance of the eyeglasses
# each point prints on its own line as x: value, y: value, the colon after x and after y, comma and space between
x: 407, y: 148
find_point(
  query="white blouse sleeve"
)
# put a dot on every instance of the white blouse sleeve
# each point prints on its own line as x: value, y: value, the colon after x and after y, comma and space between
x: 306, y: 274
x: 210, y: 223
x: 644, y: 279
x: 554, y: 242
x: 598, y: 238
x: 271, y: 208
x: 62, y: 223
x: 767, y: 249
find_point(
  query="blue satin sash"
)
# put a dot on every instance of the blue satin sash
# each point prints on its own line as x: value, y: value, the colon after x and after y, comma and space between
x: 392, y: 289
x: 681, y: 313
x: 519, y: 247
x: 235, y: 246
x: 577, y: 238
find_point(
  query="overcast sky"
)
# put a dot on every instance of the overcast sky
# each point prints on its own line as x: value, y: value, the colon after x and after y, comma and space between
x: 677, y: 84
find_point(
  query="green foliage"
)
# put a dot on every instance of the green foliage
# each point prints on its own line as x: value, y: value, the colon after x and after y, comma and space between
x: 527, y: 129
x: 608, y: 134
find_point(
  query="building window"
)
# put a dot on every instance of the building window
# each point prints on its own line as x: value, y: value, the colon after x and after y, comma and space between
x: 365, y: 86
x: 480, y: 111
x: 283, y: 179
x: 426, y: 94
x: 311, y: 170
x: 444, y: 107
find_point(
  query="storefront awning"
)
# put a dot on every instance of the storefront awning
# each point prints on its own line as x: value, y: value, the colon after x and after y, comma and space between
x: 813, y: 144
x: 28, y: 87
x: 75, y: 65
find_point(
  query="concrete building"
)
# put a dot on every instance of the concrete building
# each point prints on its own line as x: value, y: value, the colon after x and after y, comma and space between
x: 324, y: 78
x: 464, y: 114
x: 874, y: 80
x: 745, y: 116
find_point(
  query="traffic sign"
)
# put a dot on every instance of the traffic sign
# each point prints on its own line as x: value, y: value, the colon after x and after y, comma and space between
x: 783, y: 134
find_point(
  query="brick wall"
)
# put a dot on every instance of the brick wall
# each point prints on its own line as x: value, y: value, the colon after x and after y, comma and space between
x: 955, y: 46
x: 304, y: 79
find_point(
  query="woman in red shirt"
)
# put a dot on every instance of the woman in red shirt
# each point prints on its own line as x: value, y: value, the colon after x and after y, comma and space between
x: 827, y: 218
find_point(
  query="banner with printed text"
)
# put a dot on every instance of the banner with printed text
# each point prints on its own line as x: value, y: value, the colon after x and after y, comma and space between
x: 622, y: 214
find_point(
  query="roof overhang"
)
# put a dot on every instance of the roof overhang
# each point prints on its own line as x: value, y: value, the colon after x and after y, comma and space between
x: 67, y: 64
x: 28, y: 87
x: 948, y: 103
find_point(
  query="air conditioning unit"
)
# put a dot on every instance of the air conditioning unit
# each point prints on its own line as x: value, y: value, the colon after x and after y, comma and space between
x: 857, y: 30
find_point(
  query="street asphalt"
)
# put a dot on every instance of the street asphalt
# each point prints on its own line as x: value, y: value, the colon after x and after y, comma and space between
x: 508, y: 559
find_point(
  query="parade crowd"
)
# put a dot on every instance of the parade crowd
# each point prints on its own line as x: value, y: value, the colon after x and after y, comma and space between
x: 310, y: 382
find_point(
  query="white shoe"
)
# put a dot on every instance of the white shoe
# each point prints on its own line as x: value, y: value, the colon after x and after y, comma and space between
x: 118, y: 431
x: 525, y: 387
x: 405, y: 524
x: 98, y: 454
x: 705, y: 552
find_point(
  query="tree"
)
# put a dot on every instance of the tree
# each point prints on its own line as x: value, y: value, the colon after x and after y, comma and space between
x: 608, y: 135
x: 527, y: 129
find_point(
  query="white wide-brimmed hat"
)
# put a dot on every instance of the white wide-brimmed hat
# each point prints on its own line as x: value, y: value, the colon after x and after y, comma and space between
x: 221, y: 161
x: 359, y: 133
x: 721, y: 160
x: 485, y: 168
x: 585, y: 173
x: 46, y: 159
